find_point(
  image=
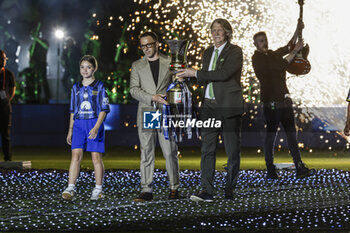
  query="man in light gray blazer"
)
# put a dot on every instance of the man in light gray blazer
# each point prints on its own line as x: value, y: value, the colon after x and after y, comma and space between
x: 149, y: 80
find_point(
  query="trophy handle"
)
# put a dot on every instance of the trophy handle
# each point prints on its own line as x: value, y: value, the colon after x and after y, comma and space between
x: 187, y: 46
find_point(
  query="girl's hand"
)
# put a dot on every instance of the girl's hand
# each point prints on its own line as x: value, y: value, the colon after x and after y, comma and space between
x: 93, y: 133
x: 69, y: 137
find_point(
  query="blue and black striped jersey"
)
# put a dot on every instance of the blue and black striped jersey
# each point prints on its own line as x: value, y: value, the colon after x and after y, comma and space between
x: 88, y: 101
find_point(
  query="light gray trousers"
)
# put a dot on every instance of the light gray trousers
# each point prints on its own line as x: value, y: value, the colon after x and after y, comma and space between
x: 148, y: 142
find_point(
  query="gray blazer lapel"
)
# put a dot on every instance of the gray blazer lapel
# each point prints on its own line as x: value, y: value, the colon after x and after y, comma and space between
x: 147, y: 75
x: 163, y: 69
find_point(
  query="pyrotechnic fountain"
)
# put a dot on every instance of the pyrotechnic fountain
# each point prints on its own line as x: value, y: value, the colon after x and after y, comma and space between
x: 325, y: 22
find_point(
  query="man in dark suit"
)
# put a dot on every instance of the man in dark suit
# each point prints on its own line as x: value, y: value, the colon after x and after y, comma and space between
x: 220, y: 75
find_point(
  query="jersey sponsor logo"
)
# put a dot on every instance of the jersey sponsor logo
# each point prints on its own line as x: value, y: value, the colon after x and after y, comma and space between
x: 85, y: 108
x: 85, y: 105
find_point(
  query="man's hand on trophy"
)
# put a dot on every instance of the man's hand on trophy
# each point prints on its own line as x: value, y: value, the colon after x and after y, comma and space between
x: 159, y: 98
x: 188, y: 72
x: 179, y: 79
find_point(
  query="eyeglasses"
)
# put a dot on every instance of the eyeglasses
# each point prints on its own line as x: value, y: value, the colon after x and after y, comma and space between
x: 149, y: 45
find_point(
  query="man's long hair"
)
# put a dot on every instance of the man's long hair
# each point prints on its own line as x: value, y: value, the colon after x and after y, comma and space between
x: 226, y: 25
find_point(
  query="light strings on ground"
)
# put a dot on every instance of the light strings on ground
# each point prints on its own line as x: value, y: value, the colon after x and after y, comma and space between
x: 32, y: 201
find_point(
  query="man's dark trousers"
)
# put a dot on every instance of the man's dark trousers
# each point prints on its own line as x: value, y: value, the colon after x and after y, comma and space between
x: 274, y: 113
x: 231, y: 133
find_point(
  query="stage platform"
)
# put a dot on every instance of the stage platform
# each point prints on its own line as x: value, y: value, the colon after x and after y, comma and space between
x: 31, y: 201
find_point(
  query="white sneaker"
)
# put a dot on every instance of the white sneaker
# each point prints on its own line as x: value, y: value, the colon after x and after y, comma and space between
x: 96, y: 194
x: 68, y: 194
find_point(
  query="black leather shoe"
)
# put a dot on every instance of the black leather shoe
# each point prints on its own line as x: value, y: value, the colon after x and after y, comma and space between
x: 272, y: 173
x: 174, y: 194
x: 302, y: 171
x: 144, y: 197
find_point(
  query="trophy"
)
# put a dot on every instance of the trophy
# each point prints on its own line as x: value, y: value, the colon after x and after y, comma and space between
x: 178, y: 95
x: 178, y: 50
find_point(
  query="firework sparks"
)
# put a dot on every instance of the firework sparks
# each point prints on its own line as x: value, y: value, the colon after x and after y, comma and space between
x: 326, y: 84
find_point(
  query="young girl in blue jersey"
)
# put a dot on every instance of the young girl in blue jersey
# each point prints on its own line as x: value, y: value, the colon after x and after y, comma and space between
x: 88, y: 108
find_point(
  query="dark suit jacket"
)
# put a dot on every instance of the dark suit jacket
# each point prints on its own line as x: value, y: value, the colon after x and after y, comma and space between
x: 226, y: 79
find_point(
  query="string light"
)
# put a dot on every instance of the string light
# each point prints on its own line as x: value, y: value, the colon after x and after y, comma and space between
x: 31, y: 201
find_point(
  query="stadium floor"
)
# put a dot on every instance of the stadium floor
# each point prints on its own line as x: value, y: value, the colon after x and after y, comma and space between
x: 31, y: 200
